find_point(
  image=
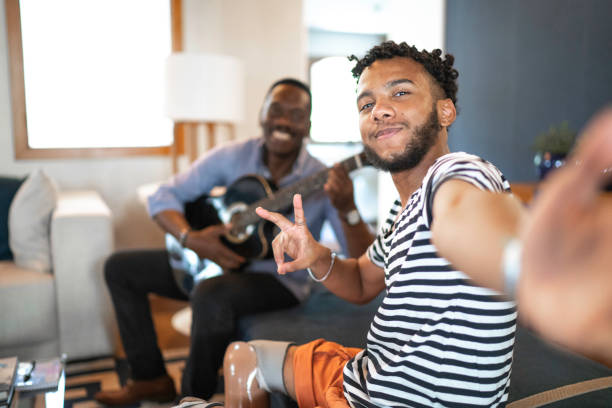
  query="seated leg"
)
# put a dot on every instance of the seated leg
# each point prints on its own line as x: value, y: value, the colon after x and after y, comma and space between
x: 253, y: 369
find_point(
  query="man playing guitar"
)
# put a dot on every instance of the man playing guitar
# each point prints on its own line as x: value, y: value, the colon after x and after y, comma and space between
x: 280, y: 157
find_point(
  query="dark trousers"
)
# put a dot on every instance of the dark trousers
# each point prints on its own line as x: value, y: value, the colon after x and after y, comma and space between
x: 216, y: 303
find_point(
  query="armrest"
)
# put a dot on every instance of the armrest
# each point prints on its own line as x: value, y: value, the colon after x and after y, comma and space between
x: 81, y: 240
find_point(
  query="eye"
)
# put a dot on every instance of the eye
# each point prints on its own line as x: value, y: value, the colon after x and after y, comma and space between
x: 401, y: 93
x: 275, y: 110
x: 298, y: 115
x: 365, y: 106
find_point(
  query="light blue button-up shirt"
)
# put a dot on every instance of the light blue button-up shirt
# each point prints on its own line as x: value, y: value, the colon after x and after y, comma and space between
x: 222, y: 166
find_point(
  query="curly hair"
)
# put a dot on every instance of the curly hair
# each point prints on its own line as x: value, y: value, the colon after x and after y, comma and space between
x: 441, y: 69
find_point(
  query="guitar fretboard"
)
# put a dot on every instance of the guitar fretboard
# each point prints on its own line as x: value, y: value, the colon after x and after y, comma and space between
x: 282, y: 199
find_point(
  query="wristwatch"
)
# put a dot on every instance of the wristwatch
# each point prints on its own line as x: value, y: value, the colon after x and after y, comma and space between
x: 352, y: 217
x: 183, y: 236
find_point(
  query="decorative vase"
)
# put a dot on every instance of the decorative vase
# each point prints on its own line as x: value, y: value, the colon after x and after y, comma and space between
x: 546, y: 161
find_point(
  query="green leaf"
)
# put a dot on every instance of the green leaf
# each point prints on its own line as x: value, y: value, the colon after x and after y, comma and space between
x: 557, y: 140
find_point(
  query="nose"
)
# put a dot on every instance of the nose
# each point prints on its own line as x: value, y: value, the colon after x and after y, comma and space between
x: 382, y: 111
x: 282, y: 119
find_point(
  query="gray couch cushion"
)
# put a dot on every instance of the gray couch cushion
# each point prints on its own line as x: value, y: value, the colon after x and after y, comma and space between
x: 322, y: 315
x: 27, y: 301
x: 539, y: 366
x: 29, y: 222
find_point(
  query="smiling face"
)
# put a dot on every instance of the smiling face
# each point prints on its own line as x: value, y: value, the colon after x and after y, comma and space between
x: 285, y: 119
x: 398, y: 115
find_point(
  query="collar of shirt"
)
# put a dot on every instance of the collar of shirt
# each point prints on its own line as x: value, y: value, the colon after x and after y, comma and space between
x: 297, y: 172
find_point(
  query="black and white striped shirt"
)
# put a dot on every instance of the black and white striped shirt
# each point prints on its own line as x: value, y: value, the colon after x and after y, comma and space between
x: 436, y: 340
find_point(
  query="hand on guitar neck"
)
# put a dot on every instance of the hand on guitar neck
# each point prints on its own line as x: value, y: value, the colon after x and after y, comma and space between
x: 339, y: 189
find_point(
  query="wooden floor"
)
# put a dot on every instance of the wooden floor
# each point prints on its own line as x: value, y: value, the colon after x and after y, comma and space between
x: 163, y: 310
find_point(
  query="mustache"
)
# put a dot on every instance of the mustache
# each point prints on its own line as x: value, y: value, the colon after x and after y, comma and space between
x: 280, y: 128
x: 388, y: 125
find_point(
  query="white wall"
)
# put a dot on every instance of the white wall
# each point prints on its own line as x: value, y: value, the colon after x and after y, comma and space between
x: 266, y: 34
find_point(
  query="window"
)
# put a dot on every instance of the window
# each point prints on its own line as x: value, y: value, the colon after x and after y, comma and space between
x: 334, y: 112
x: 334, y: 108
x: 87, y: 76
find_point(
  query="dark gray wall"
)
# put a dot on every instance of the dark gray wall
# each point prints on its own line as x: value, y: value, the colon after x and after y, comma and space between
x: 524, y: 65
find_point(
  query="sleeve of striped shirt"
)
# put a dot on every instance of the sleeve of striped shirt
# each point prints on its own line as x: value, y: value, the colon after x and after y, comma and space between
x: 377, y: 251
x: 462, y: 166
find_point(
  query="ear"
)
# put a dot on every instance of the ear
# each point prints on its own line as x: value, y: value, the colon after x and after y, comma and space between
x: 446, y: 112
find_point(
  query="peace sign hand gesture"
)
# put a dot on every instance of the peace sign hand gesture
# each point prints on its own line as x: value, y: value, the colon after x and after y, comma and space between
x: 294, y: 240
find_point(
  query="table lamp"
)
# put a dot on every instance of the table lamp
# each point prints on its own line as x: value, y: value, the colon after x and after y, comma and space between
x: 201, y: 92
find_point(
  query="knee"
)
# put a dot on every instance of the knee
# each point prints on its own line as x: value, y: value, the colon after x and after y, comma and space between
x: 240, y: 369
x: 240, y: 362
x: 253, y: 369
x: 113, y: 268
x: 209, y: 300
x: 218, y: 288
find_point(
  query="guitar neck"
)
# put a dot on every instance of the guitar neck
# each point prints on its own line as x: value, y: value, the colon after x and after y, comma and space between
x: 282, y: 199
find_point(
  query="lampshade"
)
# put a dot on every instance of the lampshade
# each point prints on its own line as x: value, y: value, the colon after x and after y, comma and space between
x: 204, y: 88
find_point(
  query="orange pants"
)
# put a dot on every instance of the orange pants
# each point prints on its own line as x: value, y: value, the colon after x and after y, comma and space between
x: 317, y: 371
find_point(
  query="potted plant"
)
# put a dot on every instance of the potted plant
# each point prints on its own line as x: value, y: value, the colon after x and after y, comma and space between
x: 552, y: 147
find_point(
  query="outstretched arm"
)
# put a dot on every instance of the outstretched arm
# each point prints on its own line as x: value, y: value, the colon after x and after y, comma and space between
x: 355, y: 280
x: 565, y: 285
x: 471, y: 228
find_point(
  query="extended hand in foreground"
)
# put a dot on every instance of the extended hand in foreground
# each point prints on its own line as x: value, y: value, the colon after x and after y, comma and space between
x: 565, y: 289
x: 294, y: 240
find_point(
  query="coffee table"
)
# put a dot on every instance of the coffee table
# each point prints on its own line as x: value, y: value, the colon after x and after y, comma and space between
x: 33, y: 399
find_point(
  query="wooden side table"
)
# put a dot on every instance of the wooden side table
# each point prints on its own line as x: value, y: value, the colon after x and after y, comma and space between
x: 524, y: 190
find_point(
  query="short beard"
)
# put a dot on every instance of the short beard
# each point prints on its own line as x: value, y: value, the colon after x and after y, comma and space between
x: 424, y: 137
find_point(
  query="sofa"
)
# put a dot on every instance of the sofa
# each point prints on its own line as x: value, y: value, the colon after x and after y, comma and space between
x: 537, y: 365
x: 54, y: 303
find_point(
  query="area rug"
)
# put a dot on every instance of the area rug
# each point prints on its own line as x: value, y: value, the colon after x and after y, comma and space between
x: 85, y: 378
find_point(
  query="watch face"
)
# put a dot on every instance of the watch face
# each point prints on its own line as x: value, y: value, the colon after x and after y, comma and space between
x: 352, y: 217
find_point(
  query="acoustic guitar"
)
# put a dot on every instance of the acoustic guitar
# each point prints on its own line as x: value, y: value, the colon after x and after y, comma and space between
x: 250, y: 236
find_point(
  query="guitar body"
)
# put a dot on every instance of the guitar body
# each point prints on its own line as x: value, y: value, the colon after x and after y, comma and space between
x: 249, y: 236
x: 208, y: 210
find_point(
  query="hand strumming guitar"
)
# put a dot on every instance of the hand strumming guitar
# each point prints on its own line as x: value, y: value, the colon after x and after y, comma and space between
x: 294, y: 240
x: 207, y: 244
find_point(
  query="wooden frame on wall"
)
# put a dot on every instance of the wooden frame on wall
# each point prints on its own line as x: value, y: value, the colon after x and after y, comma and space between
x: 20, y: 132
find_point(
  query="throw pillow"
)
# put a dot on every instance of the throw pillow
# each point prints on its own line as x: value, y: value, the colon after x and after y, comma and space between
x: 30, y: 221
x: 8, y: 188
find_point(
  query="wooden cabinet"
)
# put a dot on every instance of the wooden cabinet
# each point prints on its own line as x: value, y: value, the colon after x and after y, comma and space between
x: 524, y: 191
